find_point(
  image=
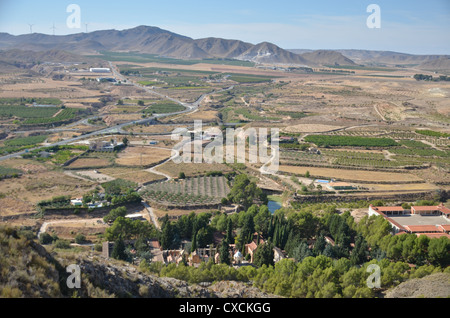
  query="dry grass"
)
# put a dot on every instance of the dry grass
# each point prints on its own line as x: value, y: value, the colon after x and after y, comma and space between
x: 90, y: 229
x: 10, y: 206
x: 401, y: 187
x: 33, y: 188
x: 153, y: 129
x: 354, y: 175
x: 142, y: 156
x: 131, y: 174
x: 161, y: 213
x: 90, y: 162
x: 192, y: 169
x: 311, y: 128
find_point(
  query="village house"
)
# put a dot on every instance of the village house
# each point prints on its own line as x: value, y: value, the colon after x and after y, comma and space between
x: 105, y: 146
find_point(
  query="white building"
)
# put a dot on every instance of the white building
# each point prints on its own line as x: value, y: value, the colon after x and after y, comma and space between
x: 99, y: 70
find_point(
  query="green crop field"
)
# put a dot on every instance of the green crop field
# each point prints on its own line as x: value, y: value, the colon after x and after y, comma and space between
x: 26, y: 141
x: 246, y: 78
x: 36, y: 115
x: 353, y: 141
x: 134, y: 57
x: 20, y: 111
x: 64, y: 115
x: 432, y: 133
x: 164, y: 108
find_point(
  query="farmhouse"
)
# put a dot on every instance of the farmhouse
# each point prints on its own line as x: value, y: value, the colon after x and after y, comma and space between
x: 106, y: 79
x: 105, y: 146
x: 76, y: 202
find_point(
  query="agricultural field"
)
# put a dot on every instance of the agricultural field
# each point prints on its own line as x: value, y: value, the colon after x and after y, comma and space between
x: 204, y: 190
x: 164, y: 108
x: 153, y: 58
x: 131, y: 174
x: 144, y: 156
x: 192, y: 169
x: 351, y: 175
x: 353, y: 141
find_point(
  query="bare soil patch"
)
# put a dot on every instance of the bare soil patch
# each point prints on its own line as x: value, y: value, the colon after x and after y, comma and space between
x: 131, y: 174
x: 142, y: 156
x: 356, y: 175
x: 89, y: 162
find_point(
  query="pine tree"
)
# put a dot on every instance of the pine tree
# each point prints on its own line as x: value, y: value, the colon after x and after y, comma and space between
x: 119, y: 250
x: 319, y: 245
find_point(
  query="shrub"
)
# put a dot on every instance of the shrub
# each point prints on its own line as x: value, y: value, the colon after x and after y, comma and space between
x: 80, y: 238
x: 64, y: 244
x: 45, y: 238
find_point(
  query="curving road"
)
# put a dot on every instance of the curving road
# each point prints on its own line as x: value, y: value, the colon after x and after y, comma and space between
x: 190, y: 107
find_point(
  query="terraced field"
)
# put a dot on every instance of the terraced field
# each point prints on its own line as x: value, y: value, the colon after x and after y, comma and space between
x: 188, y: 192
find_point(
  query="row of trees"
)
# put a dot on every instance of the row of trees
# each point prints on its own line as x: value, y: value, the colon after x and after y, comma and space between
x: 319, y: 277
x: 422, y: 77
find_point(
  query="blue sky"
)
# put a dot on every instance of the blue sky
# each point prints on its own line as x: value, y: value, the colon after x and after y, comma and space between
x: 413, y: 26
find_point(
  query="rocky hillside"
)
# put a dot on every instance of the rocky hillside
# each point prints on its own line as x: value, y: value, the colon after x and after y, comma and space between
x: 29, y: 270
x: 432, y: 286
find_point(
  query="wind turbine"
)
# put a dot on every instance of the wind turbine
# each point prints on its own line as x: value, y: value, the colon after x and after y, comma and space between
x: 86, y: 24
x: 31, y: 28
x: 53, y: 27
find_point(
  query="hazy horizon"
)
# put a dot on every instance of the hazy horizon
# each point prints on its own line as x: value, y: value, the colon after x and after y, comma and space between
x: 412, y: 27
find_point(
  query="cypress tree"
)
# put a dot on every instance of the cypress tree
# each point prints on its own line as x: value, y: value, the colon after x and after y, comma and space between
x: 119, y: 250
x: 229, y: 235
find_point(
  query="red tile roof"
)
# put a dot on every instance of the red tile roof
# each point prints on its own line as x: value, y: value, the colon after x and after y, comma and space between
x: 421, y: 228
x: 444, y: 209
x: 434, y: 235
x: 445, y: 227
x: 389, y: 208
x: 425, y: 208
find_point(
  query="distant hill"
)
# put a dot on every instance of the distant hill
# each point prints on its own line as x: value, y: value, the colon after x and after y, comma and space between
x: 440, y: 64
x: 326, y: 57
x: 270, y: 53
x: 14, y: 60
x: 223, y: 48
x: 153, y: 40
x: 28, y: 56
x: 387, y: 57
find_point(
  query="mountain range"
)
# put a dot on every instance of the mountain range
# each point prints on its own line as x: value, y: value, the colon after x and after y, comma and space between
x: 153, y: 40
